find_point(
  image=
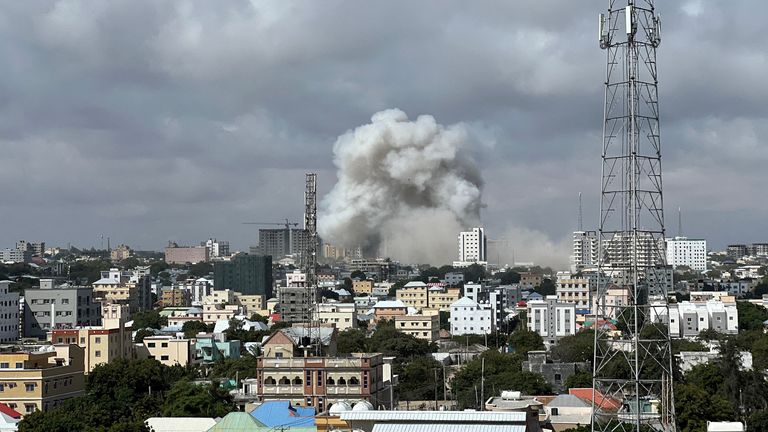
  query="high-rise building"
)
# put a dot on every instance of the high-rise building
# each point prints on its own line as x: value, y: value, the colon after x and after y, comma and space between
x: 737, y: 251
x: 9, y: 313
x: 585, y: 250
x: 175, y: 254
x: 216, y: 248
x: 551, y: 318
x: 246, y: 274
x: 473, y: 246
x: 684, y: 251
x: 275, y: 242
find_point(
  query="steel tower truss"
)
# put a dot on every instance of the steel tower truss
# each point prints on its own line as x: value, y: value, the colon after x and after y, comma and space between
x: 310, y: 226
x: 632, y: 369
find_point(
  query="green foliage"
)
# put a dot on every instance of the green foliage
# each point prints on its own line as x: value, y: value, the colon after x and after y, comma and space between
x: 357, y: 274
x: 149, y: 319
x: 192, y: 328
x: 350, y: 341
x: 348, y: 284
x: 417, y: 379
x: 523, y: 340
x: 502, y: 372
x: 751, y: 316
x: 259, y: 318
x: 679, y: 345
x: 509, y: 277
x: 141, y: 334
x: 758, y: 422
x: 390, y: 342
x: 474, y: 273
x: 581, y: 379
x: 117, y: 398
x: 186, y: 399
x: 445, y: 320
x: 201, y: 269
x: 493, y: 340
x: 229, y: 368
x: 695, y: 406
x: 546, y: 288
x: 576, y: 348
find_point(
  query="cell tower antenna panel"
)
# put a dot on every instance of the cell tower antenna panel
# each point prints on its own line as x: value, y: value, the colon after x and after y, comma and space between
x: 632, y: 376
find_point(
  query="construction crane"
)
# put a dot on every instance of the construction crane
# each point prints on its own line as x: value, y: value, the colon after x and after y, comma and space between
x: 287, y: 224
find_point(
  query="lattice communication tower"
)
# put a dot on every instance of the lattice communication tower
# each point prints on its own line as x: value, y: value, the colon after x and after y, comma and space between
x: 632, y: 366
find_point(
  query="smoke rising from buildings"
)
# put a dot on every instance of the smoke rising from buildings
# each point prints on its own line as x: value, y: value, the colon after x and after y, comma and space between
x: 405, y: 188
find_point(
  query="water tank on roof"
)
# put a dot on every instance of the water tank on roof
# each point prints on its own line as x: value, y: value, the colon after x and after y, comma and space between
x: 339, y: 407
x: 363, y: 406
x: 511, y: 395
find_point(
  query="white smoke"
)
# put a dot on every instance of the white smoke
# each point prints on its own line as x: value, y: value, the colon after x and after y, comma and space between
x: 405, y: 188
x: 523, y: 245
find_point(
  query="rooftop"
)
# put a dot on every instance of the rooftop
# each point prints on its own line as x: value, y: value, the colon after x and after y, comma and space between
x: 435, y: 416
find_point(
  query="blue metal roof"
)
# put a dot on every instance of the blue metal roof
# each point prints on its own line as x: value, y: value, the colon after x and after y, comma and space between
x: 281, y: 413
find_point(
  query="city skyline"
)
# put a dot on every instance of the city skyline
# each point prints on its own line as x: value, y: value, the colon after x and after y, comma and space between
x: 149, y: 122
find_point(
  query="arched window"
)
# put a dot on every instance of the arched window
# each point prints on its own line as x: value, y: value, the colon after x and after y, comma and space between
x: 297, y: 380
x: 269, y: 381
x: 285, y: 380
x: 342, y: 381
x: 330, y: 381
x: 354, y: 381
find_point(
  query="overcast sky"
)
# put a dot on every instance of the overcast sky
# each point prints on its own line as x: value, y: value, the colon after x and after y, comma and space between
x: 149, y: 121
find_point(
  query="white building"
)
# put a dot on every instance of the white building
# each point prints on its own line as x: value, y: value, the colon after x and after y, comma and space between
x: 470, y: 317
x: 620, y: 251
x: 296, y: 279
x: 341, y: 315
x: 687, y: 319
x: 472, y: 247
x: 551, y: 318
x: 9, y: 313
x: 585, y: 250
x: 217, y: 249
x: 682, y: 251
x: 573, y: 290
x: 198, y: 289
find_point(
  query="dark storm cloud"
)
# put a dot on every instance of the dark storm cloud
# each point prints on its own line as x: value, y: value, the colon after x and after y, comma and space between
x: 150, y: 121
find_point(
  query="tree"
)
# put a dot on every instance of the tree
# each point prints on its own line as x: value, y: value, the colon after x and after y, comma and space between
x: 357, y: 274
x: 149, y: 319
x: 474, y: 273
x: 350, y: 341
x: 576, y: 348
x: 229, y: 368
x: 751, y: 316
x: 186, y: 399
x: 417, y: 379
x: 201, y: 269
x: 509, y: 277
x: 192, y: 328
x: 581, y: 379
x: 758, y: 422
x: 259, y: 318
x: 523, y: 340
x: 694, y: 407
x: 546, y: 288
x: 141, y: 334
x: 348, y: 284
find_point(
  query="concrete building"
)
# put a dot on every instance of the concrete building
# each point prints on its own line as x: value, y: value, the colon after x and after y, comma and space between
x: 213, y: 312
x: 175, y: 254
x: 469, y: 317
x: 40, y: 378
x: 620, y: 253
x: 175, y: 297
x: 131, y: 287
x: 212, y: 347
x: 501, y: 299
x: 286, y: 371
x: 574, y: 290
x: 51, y: 307
x: 275, y: 242
x: 362, y: 287
x: 167, y: 350
x: 120, y: 253
x: 441, y: 299
x: 197, y: 289
x: 216, y: 248
x: 551, y: 318
x: 294, y: 304
x: 251, y: 304
x: 343, y: 316
x: 453, y: 279
x: 424, y: 327
x: 9, y: 313
x: 100, y: 344
x: 472, y: 247
x: 585, y: 250
x: 688, y: 318
x: 616, y: 298
x: 684, y: 251
x: 414, y: 294
x: 35, y: 248
x: 530, y: 280
x: 736, y: 251
x: 378, y: 269
x: 556, y: 373
x: 441, y: 421
x: 296, y: 278
x: 246, y: 274
x: 388, y: 310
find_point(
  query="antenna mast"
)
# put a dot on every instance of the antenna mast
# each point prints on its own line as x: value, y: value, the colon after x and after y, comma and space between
x: 632, y: 372
x: 581, y: 220
x: 310, y: 258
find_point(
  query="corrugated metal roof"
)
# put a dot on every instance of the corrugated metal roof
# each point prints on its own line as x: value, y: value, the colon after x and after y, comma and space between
x: 180, y: 424
x: 435, y: 416
x: 431, y: 427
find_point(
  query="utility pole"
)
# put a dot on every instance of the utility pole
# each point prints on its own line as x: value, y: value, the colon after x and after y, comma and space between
x: 482, y: 384
x: 631, y: 229
x: 435, y: 371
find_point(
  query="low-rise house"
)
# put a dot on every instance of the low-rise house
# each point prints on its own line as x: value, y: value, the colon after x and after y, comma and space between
x: 388, y: 310
x: 168, y: 350
x: 212, y: 347
x: 567, y: 411
x: 470, y: 317
x: 438, y: 421
x: 556, y: 373
x: 414, y: 294
x: 343, y: 316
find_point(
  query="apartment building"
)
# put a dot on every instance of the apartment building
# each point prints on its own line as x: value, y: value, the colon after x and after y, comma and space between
x: 688, y: 318
x: 251, y: 304
x: 616, y: 299
x: 197, y: 289
x: 213, y: 312
x: 131, y: 287
x: 530, y: 280
x: 175, y: 254
x: 175, y: 297
x: 362, y: 286
x: 471, y: 317
x: 41, y: 377
x: 343, y: 316
x: 551, y: 318
x: 414, y: 294
x: 287, y: 372
x: 441, y: 299
x: 167, y: 350
x: 50, y: 307
x: 100, y: 345
x: 684, y: 251
x: 425, y: 327
x: 388, y: 310
x: 573, y: 290
x: 9, y: 313
x: 585, y: 250
x: 473, y: 246
x: 294, y: 304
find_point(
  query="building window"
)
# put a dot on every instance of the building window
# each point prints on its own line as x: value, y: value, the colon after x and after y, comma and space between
x: 342, y: 381
x: 354, y: 381
x: 330, y: 381
x: 29, y: 387
x: 30, y: 408
x: 150, y: 344
x: 297, y: 381
x: 284, y: 381
x: 319, y: 378
x: 555, y: 411
x: 164, y: 345
x: 163, y: 357
x: 3, y: 365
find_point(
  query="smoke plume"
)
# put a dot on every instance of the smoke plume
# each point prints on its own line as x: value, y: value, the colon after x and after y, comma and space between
x: 405, y: 188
